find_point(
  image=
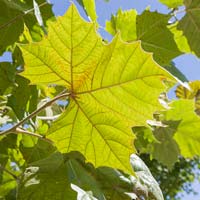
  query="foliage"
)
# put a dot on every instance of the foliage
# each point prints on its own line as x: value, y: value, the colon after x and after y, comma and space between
x: 74, y: 107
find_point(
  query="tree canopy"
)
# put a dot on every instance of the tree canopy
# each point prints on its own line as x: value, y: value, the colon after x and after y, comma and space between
x: 86, y: 118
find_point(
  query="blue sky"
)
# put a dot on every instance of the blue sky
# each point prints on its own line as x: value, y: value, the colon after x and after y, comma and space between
x: 188, y: 64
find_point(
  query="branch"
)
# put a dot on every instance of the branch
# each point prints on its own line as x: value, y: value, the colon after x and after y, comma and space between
x: 41, y: 137
x: 33, y: 114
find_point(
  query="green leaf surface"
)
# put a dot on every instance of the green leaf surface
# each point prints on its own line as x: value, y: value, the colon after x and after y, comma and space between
x: 166, y: 150
x: 153, y: 32
x: 121, y: 72
x: 23, y: 98
x: 7, y: 29
x: 7, y: 76
x: 124, y: 21
x: 46, y: 180
x: 190, y: 24
x: 172, y: 3
x: 187, y: 133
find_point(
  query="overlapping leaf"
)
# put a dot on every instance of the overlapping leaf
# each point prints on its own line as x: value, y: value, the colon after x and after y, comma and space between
x: 58, y: 172
x: 112, y: 87
x: 151, y: 29
x: 187, y: 133
x: 190, y: 24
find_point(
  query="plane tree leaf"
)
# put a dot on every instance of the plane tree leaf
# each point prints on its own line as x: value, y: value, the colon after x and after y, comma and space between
x: 153, y: 32
x: 73, y: 55
x: 190, y: 24
x: 172, y: 3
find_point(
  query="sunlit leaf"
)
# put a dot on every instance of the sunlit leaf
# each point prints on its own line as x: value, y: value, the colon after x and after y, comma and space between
x: 119, y: 72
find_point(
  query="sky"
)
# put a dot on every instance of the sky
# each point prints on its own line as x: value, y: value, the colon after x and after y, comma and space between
x: 188, y: 64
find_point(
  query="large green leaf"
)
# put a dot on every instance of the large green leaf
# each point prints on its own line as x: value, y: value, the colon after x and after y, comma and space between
x: 190, y: 24
x: 153, y: 32
x: 172, y: 3
x: 61, y: 171
x: 112, y: 87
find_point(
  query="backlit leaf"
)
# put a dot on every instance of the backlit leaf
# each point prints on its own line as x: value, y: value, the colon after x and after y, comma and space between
x: 112, y: 88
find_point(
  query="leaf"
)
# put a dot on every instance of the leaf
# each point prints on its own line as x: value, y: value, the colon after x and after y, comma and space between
x: 7, y: 77
x: 180, y: 39
x: 7, y: 29
x: 71, y: 169
x: 82, y: 195
x: 34, y: 150
x: 121, y: 72
x: 187, y: 133
x: 190, y: 24
x: 146, y: 186
x: 149, y: 27
x: 167, y: 150
x: 193, y: 93
x: 23, y: 98
x: 89, y: 7
x: 124, y: 22
x: 153, y: 32
x: 172, y: 3
x: 46, y: 179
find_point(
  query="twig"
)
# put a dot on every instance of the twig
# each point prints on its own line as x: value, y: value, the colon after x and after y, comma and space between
x: 41, y: 137
x: 33, y: 114
x: 9, y: 172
